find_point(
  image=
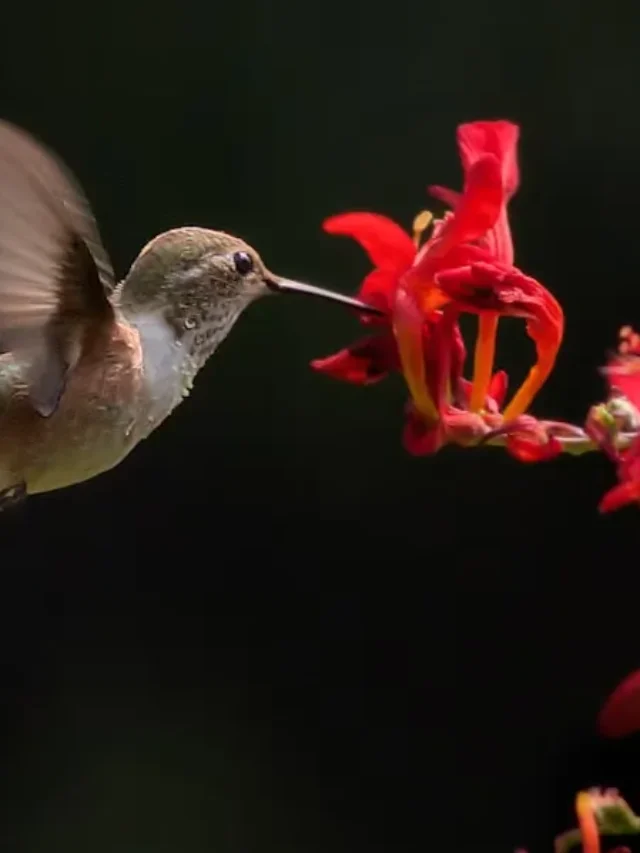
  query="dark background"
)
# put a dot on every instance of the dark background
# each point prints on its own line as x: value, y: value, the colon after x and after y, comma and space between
x: 269, y: 628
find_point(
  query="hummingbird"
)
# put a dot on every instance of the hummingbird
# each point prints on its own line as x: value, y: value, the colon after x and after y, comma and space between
x: 89, y: 365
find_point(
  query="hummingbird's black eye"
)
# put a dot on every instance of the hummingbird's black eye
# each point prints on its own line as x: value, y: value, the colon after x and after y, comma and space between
x: 243, y: 262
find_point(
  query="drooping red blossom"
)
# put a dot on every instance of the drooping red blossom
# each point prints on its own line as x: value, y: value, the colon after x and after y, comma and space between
x: 468, y: 262
x: 620, y: 714
x: 465, y: 266
x: 623, y: 376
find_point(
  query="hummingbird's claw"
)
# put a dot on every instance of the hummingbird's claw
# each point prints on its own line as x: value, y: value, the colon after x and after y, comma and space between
x: 286, y: 285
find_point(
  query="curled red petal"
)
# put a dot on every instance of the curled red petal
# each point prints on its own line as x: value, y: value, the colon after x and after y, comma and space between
x: 499, y: 138
x: 423, y: 277
x: 485, y: 286
x: 386, y: 243
x: 363, y: 363
x: 480, y: 287
x: 479, y: 206
x: 620, y: 714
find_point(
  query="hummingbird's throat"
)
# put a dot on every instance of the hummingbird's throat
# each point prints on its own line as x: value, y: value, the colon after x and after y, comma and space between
x: 202, y: 333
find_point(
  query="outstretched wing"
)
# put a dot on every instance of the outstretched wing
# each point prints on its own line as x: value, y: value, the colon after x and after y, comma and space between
x: 55, y: 276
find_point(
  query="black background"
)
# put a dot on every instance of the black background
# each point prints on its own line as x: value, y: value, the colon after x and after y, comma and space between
x: 269, y: 628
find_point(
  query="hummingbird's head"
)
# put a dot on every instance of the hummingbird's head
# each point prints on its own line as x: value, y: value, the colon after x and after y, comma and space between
x: 200, y: 281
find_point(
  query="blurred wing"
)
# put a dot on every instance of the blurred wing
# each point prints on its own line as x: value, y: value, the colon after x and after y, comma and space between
x: 55, y: 276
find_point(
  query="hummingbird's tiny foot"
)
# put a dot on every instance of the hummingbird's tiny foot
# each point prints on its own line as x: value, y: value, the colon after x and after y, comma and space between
x: 13, y: 496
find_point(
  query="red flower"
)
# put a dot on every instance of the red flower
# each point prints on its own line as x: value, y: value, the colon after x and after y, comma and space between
x: 620, y: 714
x: 466, y: 265
x: 623, y: 375
x: 623, y: 371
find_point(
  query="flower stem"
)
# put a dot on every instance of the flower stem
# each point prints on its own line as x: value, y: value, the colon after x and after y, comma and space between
x: 576, y: 445
x: 484, y: 357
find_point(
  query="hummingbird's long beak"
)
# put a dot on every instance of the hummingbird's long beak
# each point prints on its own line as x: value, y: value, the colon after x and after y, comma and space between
x: 286, y: 285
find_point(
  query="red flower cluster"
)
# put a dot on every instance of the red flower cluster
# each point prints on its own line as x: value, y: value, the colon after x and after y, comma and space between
x: 623, y: 375
x: 466, y: 265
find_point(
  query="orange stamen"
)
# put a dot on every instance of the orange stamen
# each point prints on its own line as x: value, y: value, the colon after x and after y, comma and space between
x: 538, y: 375
x: 407, y: 328
x: 547, y: 334
x: 588, y: 823
x: 484, y: 357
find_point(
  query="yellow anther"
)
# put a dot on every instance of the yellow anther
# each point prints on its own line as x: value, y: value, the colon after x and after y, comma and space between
x: 420, y: 224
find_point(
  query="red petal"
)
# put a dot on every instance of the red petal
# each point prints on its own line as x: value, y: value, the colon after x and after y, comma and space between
x: 473, y: 287
x: 494, y: 287
x: 498, y: 387
x: 630, y: 465
x: 479, y: 206
x: 619, y: 496
x: 378, y: 289
x: 493, y: 403
x: 499, y: 138
x: 363, y: 363
x: 464, y: 427
x: 449, y: 197
x: 430, y: 260
x: 527, y: 450
x: 388, y: 246
x: 499, y: 240
x: 623, y: 375
x: 421, y: 439
x: 620, y: 715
